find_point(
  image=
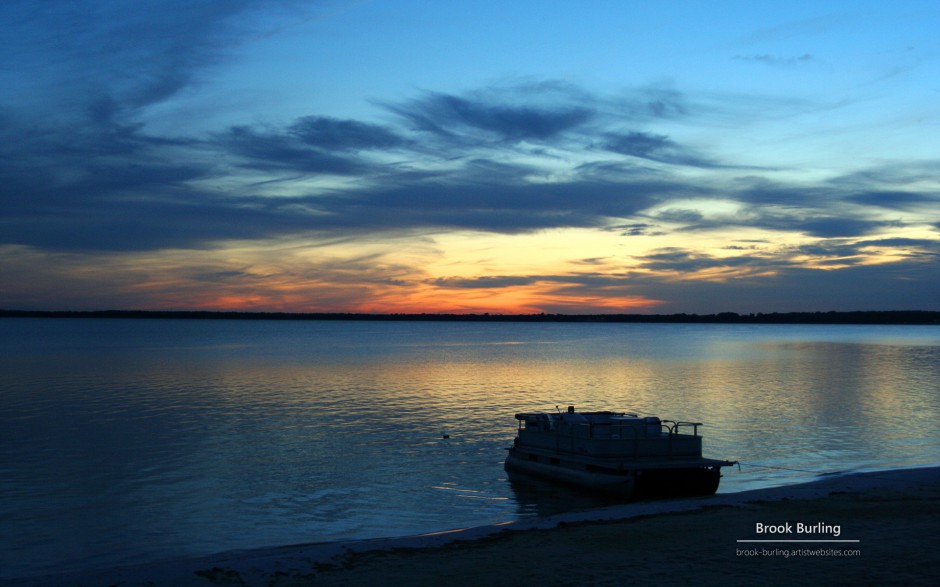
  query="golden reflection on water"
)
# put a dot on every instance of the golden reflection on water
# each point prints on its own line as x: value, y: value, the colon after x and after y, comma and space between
x: 762, y: 402
x: 292, y: 432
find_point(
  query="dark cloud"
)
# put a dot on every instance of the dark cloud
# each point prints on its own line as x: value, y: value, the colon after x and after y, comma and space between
x: 894, y: 286
x: 489, y: 118
x: 102, y: 60
x: 682, y: 280
x: 78, y: 170
x: 634, y: 229
x: 830, y: 250
x: 120, y: 188
x: 177, y: 220
x: 682, y: 216
x: 786, y: 268
x: 638, y: 144
x: 893, y: 176
x: 226, y: 276
x: 652, y: 103
x: 902, y: 243
x: 687, y: 261
x: 655, y: 148
x: 81, y: 170
x: 491, y: 206
x: 590, y: 261
x: 895, y: 200
x: 507, y: 159
x: 287, y: 152
x: 568, y: 284
x: 776, y: 220
x: 824, y: 210
x: 484, y: 282
x: 832, y: 227
x: 763, y: 192
x: 324, y: 132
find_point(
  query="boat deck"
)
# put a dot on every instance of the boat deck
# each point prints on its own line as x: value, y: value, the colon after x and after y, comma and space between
x: 615, y: 451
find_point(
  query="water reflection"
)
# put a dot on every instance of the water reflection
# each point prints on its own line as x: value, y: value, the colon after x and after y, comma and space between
x: 125, y: 441
x: 535, y: 497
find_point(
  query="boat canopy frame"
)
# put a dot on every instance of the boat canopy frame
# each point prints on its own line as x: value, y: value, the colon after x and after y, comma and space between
x: 672, y: 427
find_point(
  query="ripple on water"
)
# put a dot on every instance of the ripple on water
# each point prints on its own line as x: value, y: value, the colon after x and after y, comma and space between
x: 129, y: 441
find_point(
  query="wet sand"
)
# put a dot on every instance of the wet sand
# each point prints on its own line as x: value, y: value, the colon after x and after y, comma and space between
x: 865, y: 529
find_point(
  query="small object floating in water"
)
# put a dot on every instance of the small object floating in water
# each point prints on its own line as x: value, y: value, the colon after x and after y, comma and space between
x: 445, y: 435
x: 615, y: 452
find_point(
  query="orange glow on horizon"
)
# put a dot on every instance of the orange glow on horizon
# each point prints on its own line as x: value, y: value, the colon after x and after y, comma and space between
x: 552, y: 272
x: 529, y: 299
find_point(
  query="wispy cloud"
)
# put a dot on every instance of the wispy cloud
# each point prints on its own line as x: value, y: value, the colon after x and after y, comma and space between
x: 485, y: 119
x: 777, y: 60
x: 801, y: 28
x: 124, y: 189
x: 86, y: 180
x: 659, y: 148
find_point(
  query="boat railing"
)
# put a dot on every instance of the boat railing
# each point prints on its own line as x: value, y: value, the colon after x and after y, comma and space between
x: 672, y: 426
x: 634, y: 431
x: 611, y: 430
x: 647, y: 437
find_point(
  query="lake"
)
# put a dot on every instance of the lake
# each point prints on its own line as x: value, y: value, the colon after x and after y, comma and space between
x: 126, y: 441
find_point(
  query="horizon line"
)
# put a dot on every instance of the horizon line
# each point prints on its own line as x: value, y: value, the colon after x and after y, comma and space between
x: 899, y: 317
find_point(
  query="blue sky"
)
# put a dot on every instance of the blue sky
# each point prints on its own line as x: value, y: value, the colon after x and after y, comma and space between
x: 467, y: 157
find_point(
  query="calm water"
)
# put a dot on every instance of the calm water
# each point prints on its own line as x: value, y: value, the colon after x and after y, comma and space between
x: 125, y: 441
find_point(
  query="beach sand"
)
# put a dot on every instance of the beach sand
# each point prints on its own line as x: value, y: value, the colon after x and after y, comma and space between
x: 887, y: 523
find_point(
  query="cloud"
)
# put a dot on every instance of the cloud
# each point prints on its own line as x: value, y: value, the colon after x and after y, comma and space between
x: 796, y: 29
x: 895, y: 286
x: 490, y: 117
x: 179, y: 221
x: 121, y: 189
x: 78, y: 169
x: 894, y: 176
x: 87, y: 179
x: 684, y: 280
x: 924, y: 243
x: 634, y: 229
x: 687, y: 217
x: 501, y: 206
x: 831, y: 227
x: 824, y: 209
x: 688, y: 261
x: 323, y: 132
x: 101, y: 60
x: 506, y: 160
x: 655, y: 148
x: 895, y: 200
x: 776, y: 60
x: 485, y: 282
x: 285, y: 151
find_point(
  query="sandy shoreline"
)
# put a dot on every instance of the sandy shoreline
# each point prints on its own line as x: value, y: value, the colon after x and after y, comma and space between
x: 868, y: 528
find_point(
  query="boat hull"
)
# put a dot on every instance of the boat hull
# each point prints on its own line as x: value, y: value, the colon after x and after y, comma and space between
x: 615, y: 453
x: 627, y: 481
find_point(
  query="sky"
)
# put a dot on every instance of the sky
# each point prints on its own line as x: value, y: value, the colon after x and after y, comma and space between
x: 469, y: 157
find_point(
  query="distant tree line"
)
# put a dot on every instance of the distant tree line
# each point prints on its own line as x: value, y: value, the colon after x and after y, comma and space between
x: 859, y: 317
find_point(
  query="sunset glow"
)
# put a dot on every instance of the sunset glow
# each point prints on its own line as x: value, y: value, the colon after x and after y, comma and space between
x: 414, y: 157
